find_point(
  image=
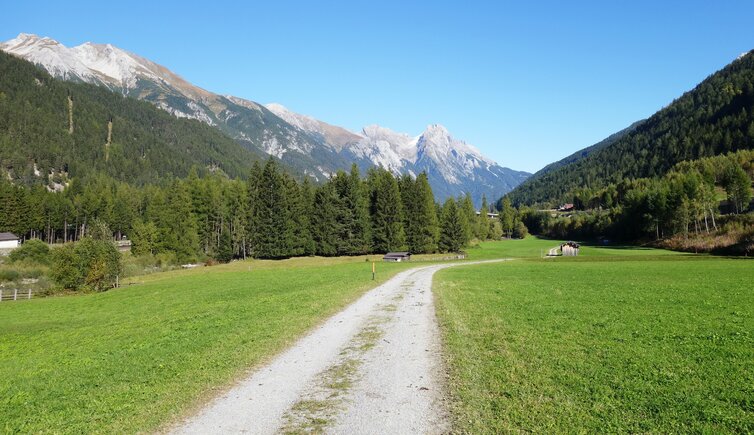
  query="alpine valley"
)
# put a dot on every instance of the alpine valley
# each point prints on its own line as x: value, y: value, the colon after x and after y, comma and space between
x: 306, y: 145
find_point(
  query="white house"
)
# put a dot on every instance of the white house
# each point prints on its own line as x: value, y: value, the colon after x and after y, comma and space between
x: 8, y: 241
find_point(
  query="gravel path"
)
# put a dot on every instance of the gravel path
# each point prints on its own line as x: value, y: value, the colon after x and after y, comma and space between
x: 375, y: 367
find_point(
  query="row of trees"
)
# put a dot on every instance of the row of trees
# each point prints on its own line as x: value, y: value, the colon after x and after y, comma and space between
x: 269, y: 215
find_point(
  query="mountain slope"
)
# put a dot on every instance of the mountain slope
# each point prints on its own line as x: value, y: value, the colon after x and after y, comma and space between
x: 581, y: 154
x: 716, y: 117
x: 249, y: 123
x: 146, y: 143
x: 453, y: 167
x: 305, y: 144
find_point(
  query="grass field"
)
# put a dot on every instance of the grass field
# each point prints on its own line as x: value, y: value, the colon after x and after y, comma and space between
x: 129, y: 359
x: 616, y: 340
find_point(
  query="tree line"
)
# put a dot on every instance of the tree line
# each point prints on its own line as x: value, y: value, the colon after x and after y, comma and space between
x: 689, y: 199
x: 267, y: 215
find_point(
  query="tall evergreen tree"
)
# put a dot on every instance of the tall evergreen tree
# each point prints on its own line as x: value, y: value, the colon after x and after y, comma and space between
x: 272, y: 232
x: 422, y: 231
x: 300, y: 232
x: 468, y: 213
x: 326, y: 229
x: 452, y: 232
x: 507, y: 215
x: 386, y: 211
x: 482, y: 221
x: 353, y: 213
x: 177, y: 225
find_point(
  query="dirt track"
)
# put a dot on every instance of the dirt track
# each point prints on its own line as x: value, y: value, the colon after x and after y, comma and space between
x: 375, y: 367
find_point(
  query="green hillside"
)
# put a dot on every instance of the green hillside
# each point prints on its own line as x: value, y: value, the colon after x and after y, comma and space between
x: 714, y: 118
x: 147, y: 143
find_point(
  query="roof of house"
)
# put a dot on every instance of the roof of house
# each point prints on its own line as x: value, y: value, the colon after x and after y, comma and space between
x: 4, y: 237
x: 398, y: 254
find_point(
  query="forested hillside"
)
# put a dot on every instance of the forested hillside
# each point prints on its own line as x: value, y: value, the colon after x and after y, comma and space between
x: 146, y: 144
x: 699, y: 205
x: 714, y: 118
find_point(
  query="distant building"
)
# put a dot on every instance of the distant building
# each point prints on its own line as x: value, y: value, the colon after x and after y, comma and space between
x: 566, y: 207
x: 570, y: 249
x: 489, y: 215
x: 8, y: 241
x: 397, y: 256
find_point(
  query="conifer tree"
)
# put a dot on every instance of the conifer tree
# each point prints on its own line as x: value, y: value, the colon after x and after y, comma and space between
x: 422, y: 228
x: 507, y: 215
x: 252, y: 196
x: 176, y: 224
x: 468, y: 214
x: 306, y: 220
x: 483, y: 227
x: 272, y: 232
x: 386, y: 211
x: 452, y: 231
x: 300, y: 232
x: 352, y: 213
x: 325, y: 225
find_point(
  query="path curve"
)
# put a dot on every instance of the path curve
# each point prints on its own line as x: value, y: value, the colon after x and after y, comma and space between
x: 375, y: 367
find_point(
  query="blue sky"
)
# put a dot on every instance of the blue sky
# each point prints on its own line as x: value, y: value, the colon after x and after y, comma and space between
x: 527, y: 83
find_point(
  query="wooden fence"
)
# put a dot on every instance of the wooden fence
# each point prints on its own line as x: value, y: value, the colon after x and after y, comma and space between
x: 10, y: 294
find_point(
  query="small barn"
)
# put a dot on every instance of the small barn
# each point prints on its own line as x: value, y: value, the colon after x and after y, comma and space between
x: 397, y: 256
x: 570, y: 249
x: 8, y: 241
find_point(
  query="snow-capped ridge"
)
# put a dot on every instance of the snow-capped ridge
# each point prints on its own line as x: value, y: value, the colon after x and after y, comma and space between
x: 315, y: 147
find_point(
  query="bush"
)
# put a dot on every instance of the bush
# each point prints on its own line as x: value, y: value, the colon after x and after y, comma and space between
x: 8, y: 275
x: 88, y: 264
x: 519, y: 230
x: 32, y: 251
x: 66, y: 269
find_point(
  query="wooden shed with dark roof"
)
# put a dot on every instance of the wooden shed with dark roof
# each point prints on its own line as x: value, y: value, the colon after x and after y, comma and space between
x: 397, y: 256
x: 8, y: 241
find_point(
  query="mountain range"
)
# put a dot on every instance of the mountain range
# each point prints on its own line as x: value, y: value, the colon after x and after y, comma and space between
x: 305, y: 144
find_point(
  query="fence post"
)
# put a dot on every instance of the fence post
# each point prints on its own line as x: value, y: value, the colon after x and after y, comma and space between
x: 1, y: 295
x: 29, y: 293
x: 15, y: 294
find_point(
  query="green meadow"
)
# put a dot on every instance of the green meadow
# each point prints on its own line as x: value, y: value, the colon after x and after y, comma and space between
x: 131, y: 359
x: 615, y: 340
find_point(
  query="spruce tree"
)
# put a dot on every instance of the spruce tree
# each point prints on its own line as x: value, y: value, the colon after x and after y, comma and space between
x: 452, y: 231
x: 299, y: 231
x: 468, y: 215
x: 386, y: 211
x: 483, y: 227
x: 307, y: 217
x: 423, y: 229
x: 326, y: 229
x: 352, y: 213
x: 507, y: 215
x: 272, y: 232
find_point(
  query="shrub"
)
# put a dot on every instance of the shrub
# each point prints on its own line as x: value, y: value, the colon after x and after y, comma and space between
x: 32, y: 251
x: 88, y: 264
x: 66, y: 270
x: 519, y: 230
x: 8, y: 275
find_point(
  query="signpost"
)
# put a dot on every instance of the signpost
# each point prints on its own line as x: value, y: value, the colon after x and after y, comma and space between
x: 373, y: 271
